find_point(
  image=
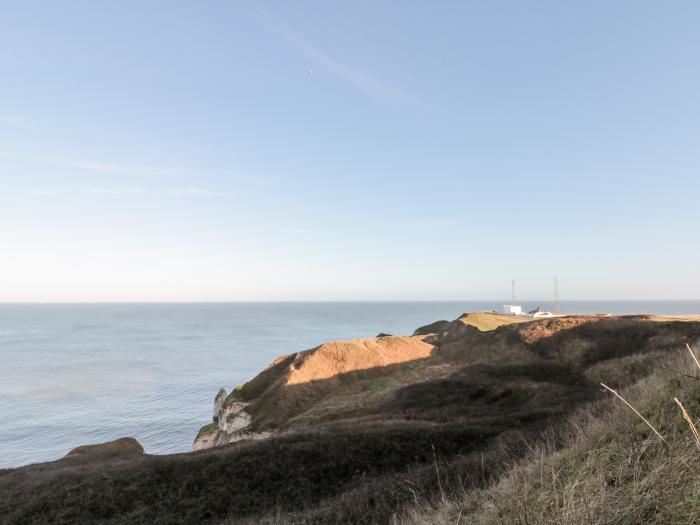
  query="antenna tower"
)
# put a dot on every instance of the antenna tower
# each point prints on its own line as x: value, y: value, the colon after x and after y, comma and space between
x: 512, y: 292
x: 557, y: 308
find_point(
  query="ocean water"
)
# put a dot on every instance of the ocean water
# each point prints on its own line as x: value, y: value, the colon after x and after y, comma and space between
x: 74, y: 374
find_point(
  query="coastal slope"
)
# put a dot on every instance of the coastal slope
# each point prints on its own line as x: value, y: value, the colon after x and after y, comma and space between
x: 336, y: 380
x: 367, y: 431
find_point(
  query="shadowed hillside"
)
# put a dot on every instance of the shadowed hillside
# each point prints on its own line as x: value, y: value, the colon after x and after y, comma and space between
x: 366, y: 430
x: 606, y: 463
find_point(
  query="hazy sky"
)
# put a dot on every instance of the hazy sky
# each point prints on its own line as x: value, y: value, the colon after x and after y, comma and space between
x: 348, y: 150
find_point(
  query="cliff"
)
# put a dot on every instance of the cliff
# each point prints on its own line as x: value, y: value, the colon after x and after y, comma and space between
x: 307, y: 387
x: 290, y: 387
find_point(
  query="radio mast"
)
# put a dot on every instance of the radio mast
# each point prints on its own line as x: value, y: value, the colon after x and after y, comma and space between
x: 512, y: 292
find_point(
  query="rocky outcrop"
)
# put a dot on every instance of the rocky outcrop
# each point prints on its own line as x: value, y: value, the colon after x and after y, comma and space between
x: 206, y: 437
x: 230, y: 423
x: 219, y: 402
x: 452, y: 331
x: 121, y: 446
x: 215, y: 437
x: 431, y: 328
x: 233, y: 417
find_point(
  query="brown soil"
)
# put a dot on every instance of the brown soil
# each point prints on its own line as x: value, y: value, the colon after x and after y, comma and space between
x: 533, y: 332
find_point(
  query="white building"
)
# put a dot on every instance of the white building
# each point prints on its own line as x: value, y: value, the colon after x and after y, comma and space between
x: 512, y: 309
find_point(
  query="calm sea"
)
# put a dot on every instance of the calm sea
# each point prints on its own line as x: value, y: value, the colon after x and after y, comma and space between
x: 73, y: 374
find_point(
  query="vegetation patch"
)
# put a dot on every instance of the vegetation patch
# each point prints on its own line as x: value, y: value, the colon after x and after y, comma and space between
x: 606, y: 465
x: 208, y: 429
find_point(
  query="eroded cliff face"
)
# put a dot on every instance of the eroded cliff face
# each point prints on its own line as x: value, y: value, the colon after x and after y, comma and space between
x: 231, y: 423
x: 268, y: 402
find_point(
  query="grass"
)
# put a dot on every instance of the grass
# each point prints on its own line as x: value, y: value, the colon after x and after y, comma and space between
x: 486, y: 321
x: 628, y: 459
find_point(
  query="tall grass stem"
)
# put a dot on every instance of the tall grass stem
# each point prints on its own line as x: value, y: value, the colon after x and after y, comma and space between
x: 635, y: 411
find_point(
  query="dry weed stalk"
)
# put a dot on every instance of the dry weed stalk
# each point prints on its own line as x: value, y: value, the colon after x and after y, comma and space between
x: 692, y: 354
x: 686, y: 416
x: 635, y: 411
x: 442, y: 494
x: 694, y: 430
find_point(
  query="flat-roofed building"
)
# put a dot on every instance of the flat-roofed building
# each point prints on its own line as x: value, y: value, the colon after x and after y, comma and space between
x: 512, y: 309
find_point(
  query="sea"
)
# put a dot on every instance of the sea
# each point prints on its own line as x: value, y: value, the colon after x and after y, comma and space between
x: 75, y: 374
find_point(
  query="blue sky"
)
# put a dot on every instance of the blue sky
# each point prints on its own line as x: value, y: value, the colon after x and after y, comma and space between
x: 356, y: 150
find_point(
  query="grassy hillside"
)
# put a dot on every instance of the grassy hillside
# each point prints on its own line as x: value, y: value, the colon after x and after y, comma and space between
x: 346, y: 379
x: 507, y: 425
x: 606, y: 465
x: 485, y: 321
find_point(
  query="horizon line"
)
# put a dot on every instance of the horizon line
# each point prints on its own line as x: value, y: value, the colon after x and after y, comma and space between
x: 278, y: 301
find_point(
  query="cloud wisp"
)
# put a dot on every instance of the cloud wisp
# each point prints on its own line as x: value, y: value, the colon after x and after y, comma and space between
x: 129, y: 181
x: 76, y: 193
x: 370, y: 85
x: 206, y: 192
x: 73, y: 193
x: 113, y: 191
x: 113, y: 169
x: 37, y: 192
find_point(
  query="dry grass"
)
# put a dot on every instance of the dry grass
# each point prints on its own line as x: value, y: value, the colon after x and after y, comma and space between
x: 620, y: 464
x: 606, y: 387
x: 688, y: 420
x: 486, y: 321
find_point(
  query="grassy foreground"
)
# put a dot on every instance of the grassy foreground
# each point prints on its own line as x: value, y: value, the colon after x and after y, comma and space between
x: 609, y: 464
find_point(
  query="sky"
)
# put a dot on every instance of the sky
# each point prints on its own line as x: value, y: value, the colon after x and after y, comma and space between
x: 351, y: 150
